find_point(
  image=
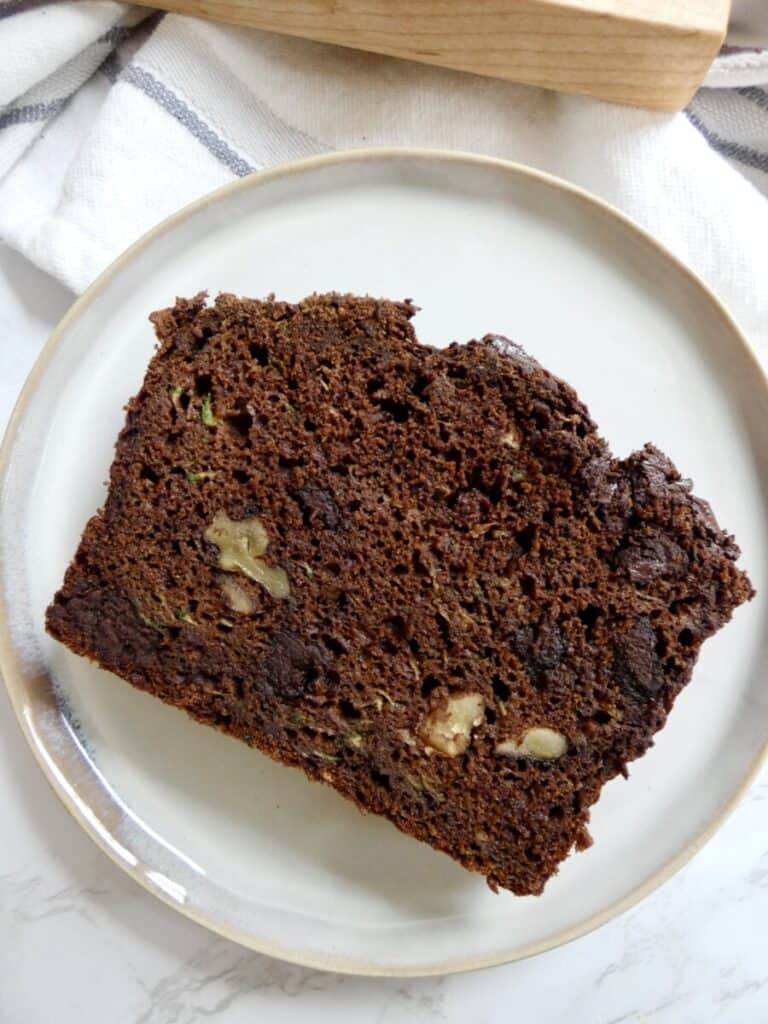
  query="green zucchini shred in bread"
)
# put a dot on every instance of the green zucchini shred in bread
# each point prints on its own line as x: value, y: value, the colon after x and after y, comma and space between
x: 417, y: 574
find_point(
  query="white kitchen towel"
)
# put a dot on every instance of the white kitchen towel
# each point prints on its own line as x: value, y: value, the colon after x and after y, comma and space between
x: 178, y: 106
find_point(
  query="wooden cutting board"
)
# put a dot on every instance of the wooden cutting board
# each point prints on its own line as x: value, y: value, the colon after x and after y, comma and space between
x: 651, y: 53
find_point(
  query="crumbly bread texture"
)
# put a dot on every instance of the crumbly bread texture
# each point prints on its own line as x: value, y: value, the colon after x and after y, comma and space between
x: 417, y: 574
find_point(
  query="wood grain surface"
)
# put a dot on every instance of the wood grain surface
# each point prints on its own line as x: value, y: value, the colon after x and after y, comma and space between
x: 651, y: 53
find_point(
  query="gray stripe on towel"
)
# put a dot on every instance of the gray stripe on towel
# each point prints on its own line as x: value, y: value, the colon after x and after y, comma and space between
x: 742, y: 154
x: 117, y: 34
x: 756, y: 94
x: 11, y: 7
x: 178, y: 109
x: 31, y: 112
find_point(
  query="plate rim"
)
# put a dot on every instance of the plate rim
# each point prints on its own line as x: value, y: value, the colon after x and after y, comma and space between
x: 10, y: 664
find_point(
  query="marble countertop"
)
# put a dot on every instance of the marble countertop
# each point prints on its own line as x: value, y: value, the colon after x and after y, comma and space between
x: 81, y: 942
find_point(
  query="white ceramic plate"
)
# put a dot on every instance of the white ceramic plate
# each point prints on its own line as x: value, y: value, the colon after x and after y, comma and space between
x: 254, y: 850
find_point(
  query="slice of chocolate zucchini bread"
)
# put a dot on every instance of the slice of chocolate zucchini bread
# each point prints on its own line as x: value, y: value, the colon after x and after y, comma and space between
x: 417, y: 574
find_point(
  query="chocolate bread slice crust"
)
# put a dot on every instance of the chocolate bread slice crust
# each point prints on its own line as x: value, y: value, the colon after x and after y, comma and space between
x: 417, y: 574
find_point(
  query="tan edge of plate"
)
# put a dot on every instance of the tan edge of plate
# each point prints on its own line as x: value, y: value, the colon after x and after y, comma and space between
x: 11, y: 669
